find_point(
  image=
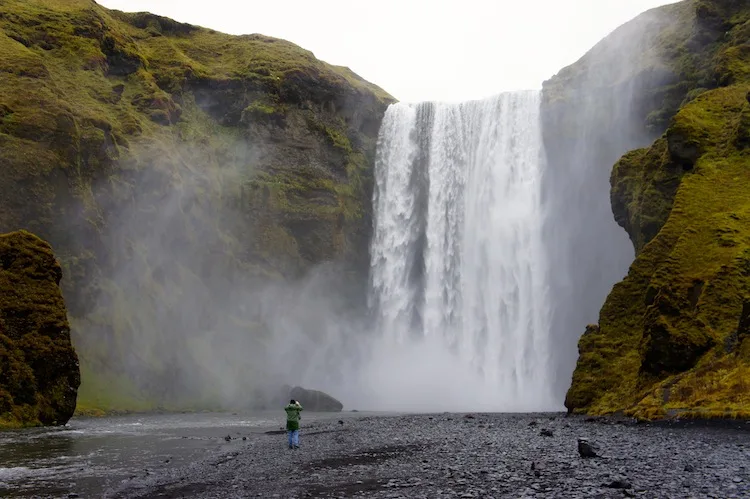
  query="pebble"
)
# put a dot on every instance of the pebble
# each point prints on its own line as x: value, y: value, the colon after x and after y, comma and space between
x: 438, y: 456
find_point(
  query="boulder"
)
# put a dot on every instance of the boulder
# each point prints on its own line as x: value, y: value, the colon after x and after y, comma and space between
x: 39, y: 372
x: 315, y: 400
x: 586, y: 449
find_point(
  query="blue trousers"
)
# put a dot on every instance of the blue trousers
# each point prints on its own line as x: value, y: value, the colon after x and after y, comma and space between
x: 293, y: 438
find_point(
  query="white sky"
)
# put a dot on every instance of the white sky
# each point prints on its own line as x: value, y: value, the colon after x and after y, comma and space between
x: 421, y: 49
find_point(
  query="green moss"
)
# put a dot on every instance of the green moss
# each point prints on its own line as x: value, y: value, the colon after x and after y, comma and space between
x: 338, y: 139
x: 103, y: 109
x: 644, y: 183
x: 39, y: 372
x: 264, y: 110
x: 259, y: 109
x: 667, y: 324
x: 103, y: 391
x: 677, y: 51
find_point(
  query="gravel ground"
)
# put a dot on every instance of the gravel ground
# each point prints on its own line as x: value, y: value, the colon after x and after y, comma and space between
x: 472, y: 455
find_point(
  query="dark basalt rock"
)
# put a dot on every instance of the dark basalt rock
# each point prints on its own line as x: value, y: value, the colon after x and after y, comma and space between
x: 585, y: 449
x: 315, y: 400
x: 619, y: 484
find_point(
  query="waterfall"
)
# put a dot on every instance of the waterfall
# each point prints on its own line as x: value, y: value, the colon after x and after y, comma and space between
x: 457, y: 263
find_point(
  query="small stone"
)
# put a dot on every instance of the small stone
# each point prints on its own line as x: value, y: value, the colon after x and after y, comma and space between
x: 585, y: 449
x: 689, y: 468
x: 620, y: 484
x: 737, y: 479
x: 546, y: 433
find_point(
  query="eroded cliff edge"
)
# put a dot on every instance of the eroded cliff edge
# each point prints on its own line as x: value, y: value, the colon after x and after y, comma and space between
x: 173, y: 167
x: 671, y: 336
x: 39, y: 373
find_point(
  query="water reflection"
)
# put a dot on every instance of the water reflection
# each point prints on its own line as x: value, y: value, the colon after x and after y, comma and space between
x: 89, y: 456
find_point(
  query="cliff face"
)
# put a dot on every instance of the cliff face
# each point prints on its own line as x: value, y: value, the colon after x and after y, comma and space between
x: 612, y: 100
x: 39, y: 373
x: 670, y: 337
x: 172, y: 167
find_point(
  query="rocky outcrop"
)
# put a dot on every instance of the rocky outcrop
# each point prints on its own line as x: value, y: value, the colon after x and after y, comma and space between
x: 662, y: 345
x: 315, y: 400
x: 618, y: 97
x: 173, y: 168
x: 39, y: 375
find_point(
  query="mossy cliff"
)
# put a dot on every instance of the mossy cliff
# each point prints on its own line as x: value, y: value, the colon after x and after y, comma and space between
x: 171, y: 166
x: 617, y: 97
x: 39, y: 373
x: 671, y: 337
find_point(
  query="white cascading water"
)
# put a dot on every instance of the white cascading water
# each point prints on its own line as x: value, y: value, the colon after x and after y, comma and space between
x: 457, y: 264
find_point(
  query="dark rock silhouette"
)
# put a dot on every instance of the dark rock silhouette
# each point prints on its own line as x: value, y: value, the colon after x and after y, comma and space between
x: 315, y: 400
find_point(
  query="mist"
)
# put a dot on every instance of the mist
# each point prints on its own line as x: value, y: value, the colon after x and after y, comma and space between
x: 604, y: 116
x: 201, y: 299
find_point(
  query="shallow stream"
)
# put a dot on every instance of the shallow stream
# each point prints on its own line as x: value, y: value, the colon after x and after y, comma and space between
x: 90, y: 455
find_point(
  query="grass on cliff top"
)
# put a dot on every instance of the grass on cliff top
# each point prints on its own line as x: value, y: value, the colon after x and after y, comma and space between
x: 206, y: 52
x: 659, y: 35
x: 700, y: 259
x: 52, y: 64
x: 165, y: 42
x: 665, y: 56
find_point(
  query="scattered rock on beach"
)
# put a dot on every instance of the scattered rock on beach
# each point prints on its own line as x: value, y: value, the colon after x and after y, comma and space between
x: 413, y: 456
x: 585, y: 449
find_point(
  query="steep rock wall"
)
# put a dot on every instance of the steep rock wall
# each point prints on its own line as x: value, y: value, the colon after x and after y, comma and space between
x: 607, y: 103
x: 670, y: 335
x: 172, y: 168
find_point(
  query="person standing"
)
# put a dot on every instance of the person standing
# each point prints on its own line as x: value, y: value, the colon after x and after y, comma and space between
x: 292, y: 422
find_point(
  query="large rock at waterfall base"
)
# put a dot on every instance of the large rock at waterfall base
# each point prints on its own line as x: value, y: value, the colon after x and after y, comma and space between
x: 315, y: 401
x: 39, y: 375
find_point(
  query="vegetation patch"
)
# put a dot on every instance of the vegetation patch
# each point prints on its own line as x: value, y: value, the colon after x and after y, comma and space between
x: 115, y: 125
x: 670, y: 338
x: 39, y: 374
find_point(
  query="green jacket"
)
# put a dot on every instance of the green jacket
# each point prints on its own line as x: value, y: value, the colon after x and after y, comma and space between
x: 292, y: 416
